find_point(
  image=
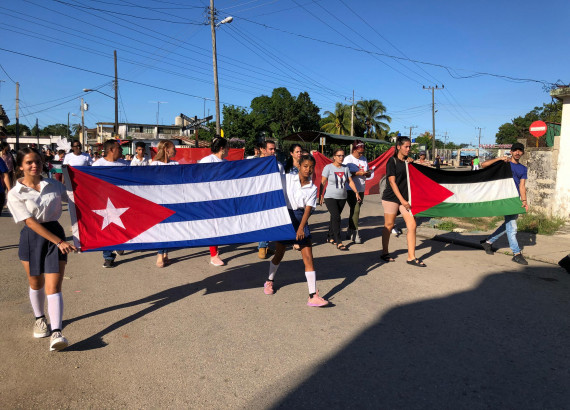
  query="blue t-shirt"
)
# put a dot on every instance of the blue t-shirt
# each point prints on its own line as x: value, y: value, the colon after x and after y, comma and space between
x: 3, y: 170
x: 519, y: 172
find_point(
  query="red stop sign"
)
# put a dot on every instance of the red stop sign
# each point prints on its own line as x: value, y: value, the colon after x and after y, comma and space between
x: 538, y: 128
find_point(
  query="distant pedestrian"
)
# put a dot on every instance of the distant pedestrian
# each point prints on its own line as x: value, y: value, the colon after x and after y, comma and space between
x: 437, y: 162
x: 76, y: 158
x: 6, y: 155
x: 301, y: 202
x: 509, y: 227
x: 292, y: 164
x: 256, y: 151
x: 37, y: 201
x: 220, y: 149
x: 5, y: 183
x: 358, y: 166
x: 395, y: 200
x: 476, y: 163
x: 333, y: 192
x: 140, y: 158
x: 422, y: 159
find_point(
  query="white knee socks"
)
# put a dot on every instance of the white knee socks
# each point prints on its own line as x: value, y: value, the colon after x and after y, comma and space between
x: 38, y: 299
x: 55, y: 309
x: 312, y: 281
x: 272, y: 270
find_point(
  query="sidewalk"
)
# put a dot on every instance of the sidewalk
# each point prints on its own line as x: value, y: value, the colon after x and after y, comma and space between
x: 543, y: 248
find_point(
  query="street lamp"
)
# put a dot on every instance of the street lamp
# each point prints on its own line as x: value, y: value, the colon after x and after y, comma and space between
x: 116, y: 126
x: 215, y: 59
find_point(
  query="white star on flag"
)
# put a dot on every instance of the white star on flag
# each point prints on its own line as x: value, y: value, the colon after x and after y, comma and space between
x: 111, y: 215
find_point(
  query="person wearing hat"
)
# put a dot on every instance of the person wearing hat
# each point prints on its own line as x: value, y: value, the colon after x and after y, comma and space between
x: 422, y: 159
x: 510, y: 225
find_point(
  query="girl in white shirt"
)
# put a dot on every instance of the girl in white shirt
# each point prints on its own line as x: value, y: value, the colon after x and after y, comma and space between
x: 219, y: 150
x: 43, y: 250
x: 165, y: 151
x: 301, y: 202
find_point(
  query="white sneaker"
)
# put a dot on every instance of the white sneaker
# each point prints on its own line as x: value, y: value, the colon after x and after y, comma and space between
x: 41, y: 328
x: 58, y: 342
x: 357, y: 238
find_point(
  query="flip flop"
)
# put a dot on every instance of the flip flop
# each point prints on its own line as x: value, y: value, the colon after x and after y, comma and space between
x: 387, y: 258
x: 417, y: 262
x: 331, y: 241
x: 341, y: 247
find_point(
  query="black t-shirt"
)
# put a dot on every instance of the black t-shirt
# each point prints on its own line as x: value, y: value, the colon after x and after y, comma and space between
x: 396, y: 167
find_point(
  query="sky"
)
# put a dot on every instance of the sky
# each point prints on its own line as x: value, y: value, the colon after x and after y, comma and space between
x: 492, y: 58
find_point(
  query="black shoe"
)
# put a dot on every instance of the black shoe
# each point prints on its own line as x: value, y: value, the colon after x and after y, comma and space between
x: 487, y: 247
x: 109, y: 263
x: 518, y: 258
x: 120, y: 252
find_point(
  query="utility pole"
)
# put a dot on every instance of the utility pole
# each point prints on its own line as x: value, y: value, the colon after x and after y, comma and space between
x: 82, y: 140
x: 352, y: 117
x: 67, y: 125
x: 410, y: 127
x: 116, y: 86
x: 479, y: 145
x: 38, y: 133
x: 215, y: 62
x: 17, y: 116
x: 433, y: 114
x: 158, y: 109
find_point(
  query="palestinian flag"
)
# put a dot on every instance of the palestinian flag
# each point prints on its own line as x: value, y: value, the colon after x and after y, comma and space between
x: 487, y: 192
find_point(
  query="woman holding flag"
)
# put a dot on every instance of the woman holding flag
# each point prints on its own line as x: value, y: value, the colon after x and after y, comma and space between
x: 395, y: 200
x: 43, y: 250
x: 165, y: 151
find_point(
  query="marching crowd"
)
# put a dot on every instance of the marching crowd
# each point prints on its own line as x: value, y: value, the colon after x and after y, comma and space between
x: 43, y: 249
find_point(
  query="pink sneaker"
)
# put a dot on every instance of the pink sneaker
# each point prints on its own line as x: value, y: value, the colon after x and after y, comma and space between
x: 216, y: 261
x: 317, y: 301
x: 268, y: 288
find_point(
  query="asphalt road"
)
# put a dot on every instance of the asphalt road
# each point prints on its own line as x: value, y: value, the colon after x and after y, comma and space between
x: 469, y: 331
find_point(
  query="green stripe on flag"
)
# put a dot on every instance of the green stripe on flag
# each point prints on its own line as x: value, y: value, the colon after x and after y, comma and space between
x: 509, y: 206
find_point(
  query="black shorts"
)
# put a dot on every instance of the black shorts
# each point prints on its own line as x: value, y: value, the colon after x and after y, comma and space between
x: 44, y: 256
x: 296, y: 217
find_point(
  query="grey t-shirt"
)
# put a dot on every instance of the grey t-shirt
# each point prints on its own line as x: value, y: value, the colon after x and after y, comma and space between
x: 337, y: 178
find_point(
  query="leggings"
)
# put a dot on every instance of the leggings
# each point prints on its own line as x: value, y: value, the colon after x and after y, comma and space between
x: 354, y: 209
x: 335, y: 207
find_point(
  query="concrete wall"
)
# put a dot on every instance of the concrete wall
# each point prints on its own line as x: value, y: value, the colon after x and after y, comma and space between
x: 542, y: 174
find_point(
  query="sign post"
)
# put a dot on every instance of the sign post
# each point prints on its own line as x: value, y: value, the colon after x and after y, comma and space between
x: 538, y: 129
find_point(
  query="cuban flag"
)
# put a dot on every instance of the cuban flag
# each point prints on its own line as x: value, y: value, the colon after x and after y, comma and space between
x: 158, y: 207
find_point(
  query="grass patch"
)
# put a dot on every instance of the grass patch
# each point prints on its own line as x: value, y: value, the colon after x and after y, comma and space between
x: 539, y: 224
x: 483, y: 224
x: 447, y: 226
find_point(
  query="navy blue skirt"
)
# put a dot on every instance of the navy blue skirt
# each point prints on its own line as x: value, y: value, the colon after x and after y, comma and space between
x: 43, y: 255
x: 296, y: 218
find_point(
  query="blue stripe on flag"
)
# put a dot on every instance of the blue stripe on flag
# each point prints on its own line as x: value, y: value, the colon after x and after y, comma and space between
x: 278, y: 233
x: 222, y: 208
x: 183, y: 174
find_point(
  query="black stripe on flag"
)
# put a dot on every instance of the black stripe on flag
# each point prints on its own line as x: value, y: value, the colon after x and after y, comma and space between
x: 497, y: 171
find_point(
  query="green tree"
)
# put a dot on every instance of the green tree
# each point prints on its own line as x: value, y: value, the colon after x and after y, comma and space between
x: 237, y: 123
x: 55, y: 129
x: 337, y: 122
x: 308, y: 116
x: 11, y: 129
x: 507, y: 134
x: 371, y: 114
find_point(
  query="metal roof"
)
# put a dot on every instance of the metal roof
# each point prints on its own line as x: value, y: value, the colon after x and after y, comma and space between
x: 314, y: 136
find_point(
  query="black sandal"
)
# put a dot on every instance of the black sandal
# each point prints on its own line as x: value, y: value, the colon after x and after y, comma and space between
x: 331, y: 241
x: 417, y: 262
x: 341, y: 247
x: 387, y: 258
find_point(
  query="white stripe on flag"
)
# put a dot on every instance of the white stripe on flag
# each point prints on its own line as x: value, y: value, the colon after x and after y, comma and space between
x: 202, y: 191
x: 202, y: 229
x: 482, y: 191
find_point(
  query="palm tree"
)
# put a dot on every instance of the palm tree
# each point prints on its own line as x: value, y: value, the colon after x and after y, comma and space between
x: 371, y: 114
x: 339, y: 121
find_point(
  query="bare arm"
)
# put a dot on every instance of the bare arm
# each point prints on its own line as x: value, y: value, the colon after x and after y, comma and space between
x: 38, y: 228
x: 306, y: 214
x: 324, y: 181
x: 492, y: 161
x: 353, y: 187
x: 7, y: 181
x: 522, y: 188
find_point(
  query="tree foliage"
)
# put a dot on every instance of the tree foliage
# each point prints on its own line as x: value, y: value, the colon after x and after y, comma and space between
x: 11, y: 129
x: 509, y: 132
x: 371, y: 114
x: 56, y: 129
x: 337, y: 122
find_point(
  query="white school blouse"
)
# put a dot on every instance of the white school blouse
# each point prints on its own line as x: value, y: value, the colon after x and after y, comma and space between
x: 299, y: 197
x: 45, y: 206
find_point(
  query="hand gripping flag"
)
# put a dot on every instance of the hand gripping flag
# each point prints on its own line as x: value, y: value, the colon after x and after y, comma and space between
x: 153, y: 207
x: 487, y: 192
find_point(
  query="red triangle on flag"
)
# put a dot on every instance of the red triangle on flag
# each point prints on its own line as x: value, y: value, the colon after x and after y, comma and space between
x: 425, y: 191
x: 108, y: 215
